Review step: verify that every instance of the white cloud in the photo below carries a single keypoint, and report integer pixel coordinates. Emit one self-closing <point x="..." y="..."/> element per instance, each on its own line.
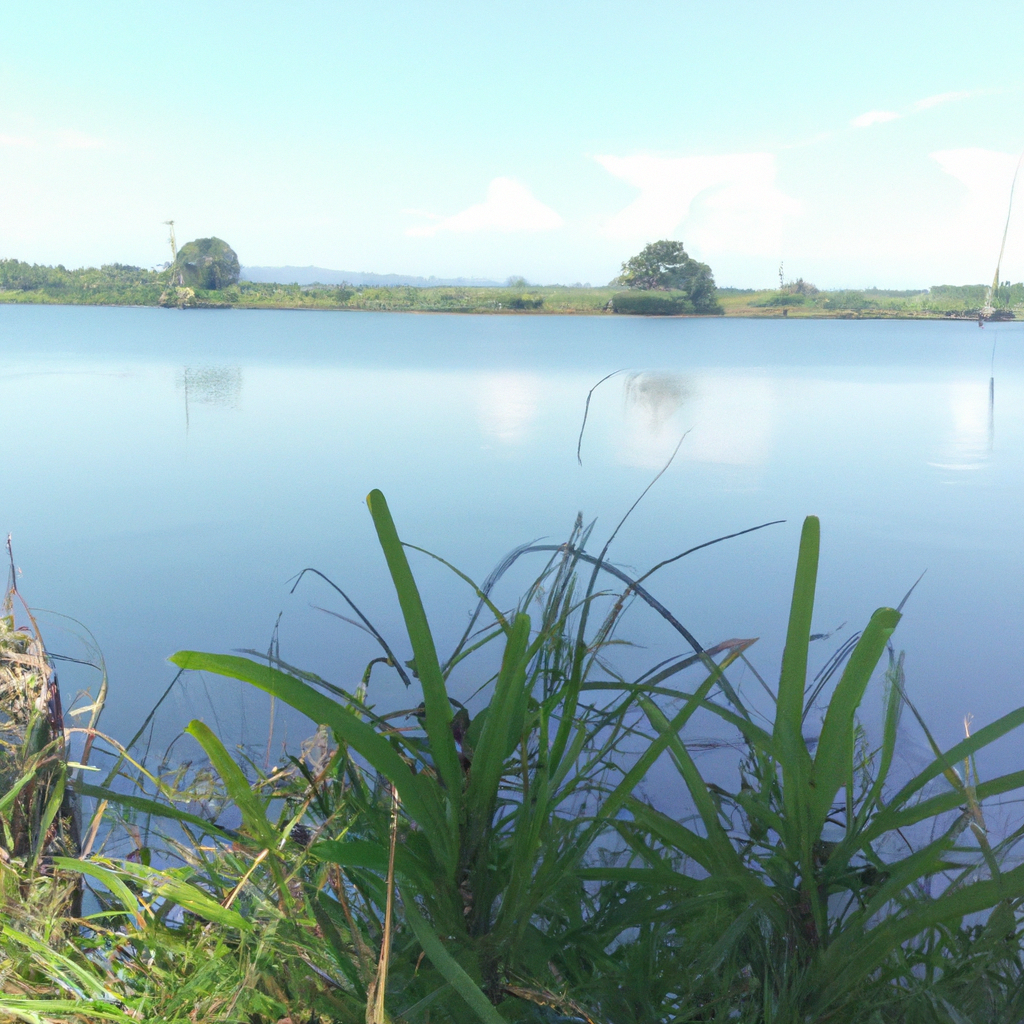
<point x="976" y="226"/>
<point x="874" y="117"/>
<point x="943" y="97"/>
<point x="15" y="141"/>
<point x="509" y="206"/>
<point x="985" y="174"/>
<point x="728" y="202"/>
<point x="881" y="116"/>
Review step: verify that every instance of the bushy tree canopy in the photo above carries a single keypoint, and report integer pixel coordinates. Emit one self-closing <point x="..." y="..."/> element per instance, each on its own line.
<point x="664" y="265"/>
<point x="208" y="263"/>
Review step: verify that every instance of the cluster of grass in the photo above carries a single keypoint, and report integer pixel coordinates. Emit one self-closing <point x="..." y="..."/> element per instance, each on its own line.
<point x="966" y="301"/>
<point x="406" y="298"/>
<point x="496" y="861"/>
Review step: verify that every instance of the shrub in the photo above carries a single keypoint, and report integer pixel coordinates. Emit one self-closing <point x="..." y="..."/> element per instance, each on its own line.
<point x="847" y="299"/>
<point x="523" y="302"/>
<point x="783" y="299"/>
<point x="652" y="303"/>
<point x="972" y="294"/>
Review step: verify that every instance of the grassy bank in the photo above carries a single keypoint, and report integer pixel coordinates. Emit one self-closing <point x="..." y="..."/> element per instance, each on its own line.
<point x="498" y="860"/>
<point x="940" y="301"/>
<point x="116" y="284"/>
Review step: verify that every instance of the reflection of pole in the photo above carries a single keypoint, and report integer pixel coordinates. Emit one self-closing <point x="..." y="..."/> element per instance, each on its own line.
<point x="186" y="400"/>
<point x="991" y="413"/>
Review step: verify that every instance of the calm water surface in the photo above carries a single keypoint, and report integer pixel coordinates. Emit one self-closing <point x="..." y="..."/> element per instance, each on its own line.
<point x="167" y="473"/>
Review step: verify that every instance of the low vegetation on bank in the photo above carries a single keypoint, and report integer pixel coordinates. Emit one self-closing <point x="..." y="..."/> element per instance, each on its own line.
<point x="802" y="299"/>
<point x="661" y="280"/>
<point x="500" y="860"/>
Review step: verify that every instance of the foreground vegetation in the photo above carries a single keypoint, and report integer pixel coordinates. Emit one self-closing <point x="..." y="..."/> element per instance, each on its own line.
<point x="116" y="284"/>
<point x="497" y="861"/>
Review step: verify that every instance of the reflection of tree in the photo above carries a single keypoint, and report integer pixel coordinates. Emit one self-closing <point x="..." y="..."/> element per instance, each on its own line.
<point x="657" y="395"/>
<point x="210" y="385"/>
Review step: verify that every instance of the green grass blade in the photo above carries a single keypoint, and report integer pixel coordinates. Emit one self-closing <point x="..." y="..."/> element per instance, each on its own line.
<point x="850" y="960"/>
<point x="50" y="811"/>
<point x="324" y="711"/>
<point x="654" y="876"/>
<point x="790" y="706"/>
<point x="254" y="815"/>
<point x="502" y="726"/>
<point x="59" y="967"/>
<point x="671" y="833"/>
<point x="448" y="967"/>
<point x="790" y="746"/>
<point x="110" y="879"/>
<point x="428" y="668"/>
<point x="890" y="726"/>
<point x="618" y="797"/>
<point x="46" y="1011"/>
<point x="353" y="853"/>
<point x="370" y="856"/>
<point x="27" y="776"/>
<point x="950" y="758"/>
<point x="833" y="761"/>
<point x="147" y="806"/>
<point x="725" y="857"/>
<point x="942" y="803"/>
<point x="167" y="885"/>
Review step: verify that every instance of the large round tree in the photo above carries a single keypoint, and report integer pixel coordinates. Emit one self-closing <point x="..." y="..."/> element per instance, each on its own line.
<point x="665" y="265"/>
<point x="207" y="263"/>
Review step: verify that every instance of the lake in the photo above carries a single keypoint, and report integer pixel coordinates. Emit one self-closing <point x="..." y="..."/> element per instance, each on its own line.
<point x="169" y="472"/>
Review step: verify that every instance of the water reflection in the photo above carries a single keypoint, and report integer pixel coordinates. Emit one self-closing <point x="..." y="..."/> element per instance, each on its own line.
<point x="656" y="396"/>
<point x="971" y="408"/>
<point x="507" y="405"/>
<point x="727" y="418"/>
<point x="839" y="418"/>
<point x="991" y="414"/>
<point x="210" y="385"/>
<point x="651" y="428"/>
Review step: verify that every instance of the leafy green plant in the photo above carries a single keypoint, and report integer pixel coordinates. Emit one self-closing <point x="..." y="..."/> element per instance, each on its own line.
<point x="492" y="841"/>
<point x="496" y="861"/>
<point x="817" y="909"/>
<point x="651" y="303"/>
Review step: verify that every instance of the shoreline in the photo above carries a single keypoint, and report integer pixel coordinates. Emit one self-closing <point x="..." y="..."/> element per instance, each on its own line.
<point x="746" y="313"/>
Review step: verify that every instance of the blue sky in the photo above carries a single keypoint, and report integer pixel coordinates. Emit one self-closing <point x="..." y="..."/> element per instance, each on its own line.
<point x="867" y="144"/>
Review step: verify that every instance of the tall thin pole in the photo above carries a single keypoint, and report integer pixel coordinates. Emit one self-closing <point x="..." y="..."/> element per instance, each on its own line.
<point x="174" y="244"/>
<point x="1006" y="228"/>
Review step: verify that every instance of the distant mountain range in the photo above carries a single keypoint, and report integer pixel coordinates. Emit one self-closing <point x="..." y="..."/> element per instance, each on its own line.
<point x="320" y="275"/>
